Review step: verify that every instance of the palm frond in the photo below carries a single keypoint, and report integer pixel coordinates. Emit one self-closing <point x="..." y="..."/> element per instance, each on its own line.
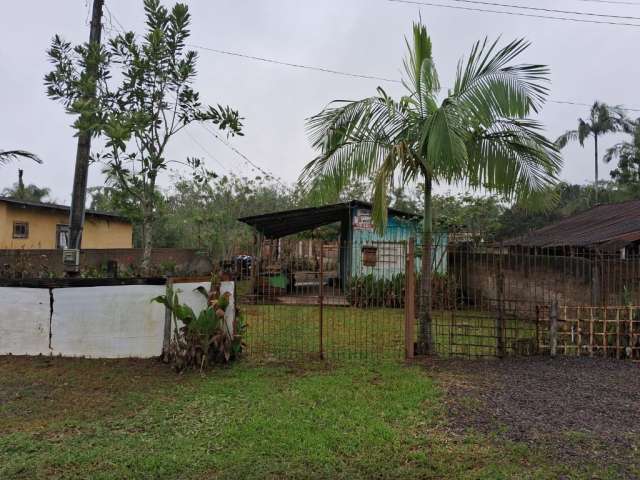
<point x="564" y="139"/>
<point x="421" y="76"/>
<point x="514" y="158"/>
<point x="353" y="139"/>
<point x="8" y="155"/>
<point x="489" y="86"/>
<point x="585" y="129"/>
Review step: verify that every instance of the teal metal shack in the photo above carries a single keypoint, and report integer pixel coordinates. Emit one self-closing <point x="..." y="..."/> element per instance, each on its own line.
<point x="384" y="255"/>
<point x="362" y="250"/>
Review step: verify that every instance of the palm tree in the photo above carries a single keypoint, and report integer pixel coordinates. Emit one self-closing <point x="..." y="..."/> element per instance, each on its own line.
<point x="8" y="155"/>
<point x="28" y="193"/>
<point x="603" y="119"/>
<point x="477" y="135"/>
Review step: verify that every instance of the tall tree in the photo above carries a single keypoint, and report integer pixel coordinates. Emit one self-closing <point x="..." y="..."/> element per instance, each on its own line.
<point x="29" y="193"/>
<point x="141" y="108"/>
<point x="7" y="156"/>
<point x="479" y="135"/>
<point x="603" y="119"/>
<point x="627" y="153"/>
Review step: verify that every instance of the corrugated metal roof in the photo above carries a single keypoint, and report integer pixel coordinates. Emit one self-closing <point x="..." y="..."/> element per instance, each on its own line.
<point x="288" y="222"/>
<point x="609" y="226"/>
<point x="52" y="206"/>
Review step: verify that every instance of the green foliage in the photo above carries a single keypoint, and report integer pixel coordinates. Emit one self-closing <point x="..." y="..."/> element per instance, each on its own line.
<point x="367" y="291"/>
<point x="203" y="338"/>
<point x="371" y="291"/>
<point x="28" y="193"/>
<point x="147" y="100"/>
<point x="477" y="216"/>
<point x="479" y="135"/>
<point x="627" y="153"/>
<point x="603" y="119"/>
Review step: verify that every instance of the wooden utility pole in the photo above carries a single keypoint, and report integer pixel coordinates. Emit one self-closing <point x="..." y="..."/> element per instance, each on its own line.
<point x="79" y="195"/>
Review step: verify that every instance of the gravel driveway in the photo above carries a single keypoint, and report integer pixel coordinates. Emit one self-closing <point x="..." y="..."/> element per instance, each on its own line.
<point x="576" y="409"/>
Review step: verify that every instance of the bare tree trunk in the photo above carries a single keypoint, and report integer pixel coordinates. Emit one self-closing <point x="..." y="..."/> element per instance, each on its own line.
<point x="147" y="242"/>
<point x="425" y="337"/>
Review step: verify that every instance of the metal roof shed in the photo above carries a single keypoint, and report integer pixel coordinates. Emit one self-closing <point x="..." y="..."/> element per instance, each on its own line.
<point x="280" y="224"/>
<point x="604" y="227"/>
<point x="358" y="240"/>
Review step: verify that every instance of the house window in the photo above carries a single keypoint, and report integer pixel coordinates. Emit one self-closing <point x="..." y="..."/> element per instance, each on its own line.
<point x="20" y="230"/>
<point x="369" y="256"/>
<point x="62" y="236"/>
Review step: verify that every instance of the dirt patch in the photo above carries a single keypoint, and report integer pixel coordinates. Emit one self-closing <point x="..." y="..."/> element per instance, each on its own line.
<point x="578" y="409"/>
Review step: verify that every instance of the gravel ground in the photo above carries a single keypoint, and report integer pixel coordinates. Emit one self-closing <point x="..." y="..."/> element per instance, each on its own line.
<point x="577" y="409"/>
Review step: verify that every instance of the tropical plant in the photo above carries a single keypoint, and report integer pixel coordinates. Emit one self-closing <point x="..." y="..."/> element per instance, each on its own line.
<point x="627" y="153"/>
<point x="7" y="156"/>
<point x="139" y="108"/>
<point x="478" y="135"/>
<point x="204" y="338"/>
<point x="603" y="119"/>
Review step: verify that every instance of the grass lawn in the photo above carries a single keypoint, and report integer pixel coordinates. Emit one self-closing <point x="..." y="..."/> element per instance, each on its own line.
<point x="73" y="418"/>
<point x="293" y="331"/>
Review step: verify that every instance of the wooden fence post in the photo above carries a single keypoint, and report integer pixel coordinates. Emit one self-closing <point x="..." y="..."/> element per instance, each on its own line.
<point x="500" y="324"/>
<point x="409" y="300"/>
<point x="553" y="333"/>
<point x="321" y="300"/>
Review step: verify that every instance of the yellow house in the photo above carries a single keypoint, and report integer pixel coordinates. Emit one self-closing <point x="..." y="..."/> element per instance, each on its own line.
<point x="33" y="225"/>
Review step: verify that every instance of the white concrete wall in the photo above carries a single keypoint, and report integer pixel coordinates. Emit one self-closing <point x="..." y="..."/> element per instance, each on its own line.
<point x="107" y="322"/>
<point x="24" y="321"/>
<point x="100" y="322"/>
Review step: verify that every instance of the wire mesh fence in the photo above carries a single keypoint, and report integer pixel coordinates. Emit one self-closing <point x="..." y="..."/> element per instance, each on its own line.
<point x="362" y="298"/>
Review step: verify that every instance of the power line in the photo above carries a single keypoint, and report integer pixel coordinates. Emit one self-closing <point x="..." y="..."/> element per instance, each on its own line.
<point x="549" y="10"/>
<point x="207" y="152"/>
<point x="264" y="172"/>
<point x="349" y="74"/>
<point x="294" y="65"/>
<point x="321" y="69"/>
<point x="579" y="104"/>
<point x="610" y="2"/>
<point x="517" y="14"/>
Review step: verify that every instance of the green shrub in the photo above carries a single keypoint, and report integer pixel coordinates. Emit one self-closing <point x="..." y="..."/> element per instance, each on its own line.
<point x="369" y="291"/>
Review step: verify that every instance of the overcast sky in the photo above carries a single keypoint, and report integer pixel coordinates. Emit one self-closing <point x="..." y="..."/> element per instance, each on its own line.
<point x="588" y="62"/>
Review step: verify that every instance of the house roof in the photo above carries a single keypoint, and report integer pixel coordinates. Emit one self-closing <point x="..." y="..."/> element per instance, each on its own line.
<point x="608" y="227"/>
<point x="287" y="222"/>
<point x="63" y="208"/>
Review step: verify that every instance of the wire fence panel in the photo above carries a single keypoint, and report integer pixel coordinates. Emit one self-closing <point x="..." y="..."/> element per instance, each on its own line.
<point x="341" y="300"/>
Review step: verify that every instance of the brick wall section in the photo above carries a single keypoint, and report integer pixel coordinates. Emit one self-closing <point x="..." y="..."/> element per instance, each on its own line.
<point x="529" y="283"/>
<point x="48" y="263"/>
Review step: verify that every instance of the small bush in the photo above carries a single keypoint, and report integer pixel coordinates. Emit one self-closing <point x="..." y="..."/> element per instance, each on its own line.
<point x="369" y="291"/>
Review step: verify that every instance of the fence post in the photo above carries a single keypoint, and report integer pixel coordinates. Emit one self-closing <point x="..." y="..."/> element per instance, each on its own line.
<point x="553" y="333"/>
<point x="500" y="327"/>
<point x="410" y="300"/>
<point x="321" y="299"/>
